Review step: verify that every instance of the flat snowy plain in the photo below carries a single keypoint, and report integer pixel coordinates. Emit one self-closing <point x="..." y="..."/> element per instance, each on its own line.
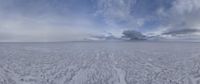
<point x="100" y="63"/>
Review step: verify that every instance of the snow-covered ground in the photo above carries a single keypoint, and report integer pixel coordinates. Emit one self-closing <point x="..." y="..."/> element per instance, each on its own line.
<point x="100" y="63"/>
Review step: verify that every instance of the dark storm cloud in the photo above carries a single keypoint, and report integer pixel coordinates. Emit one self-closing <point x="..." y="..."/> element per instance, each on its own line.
<point x="182" y="31"/>
<point x="133" y="35"/>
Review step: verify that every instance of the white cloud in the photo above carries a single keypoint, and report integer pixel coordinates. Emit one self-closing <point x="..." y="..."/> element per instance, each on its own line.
<point x="49" y="28"/>
<point x="184" y="14"/>
<point x="186" y="6"/>
<point x="115" y="12"/>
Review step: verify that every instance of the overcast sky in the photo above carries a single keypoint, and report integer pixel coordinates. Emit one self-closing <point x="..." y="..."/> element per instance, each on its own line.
<point x="69" y="20"/>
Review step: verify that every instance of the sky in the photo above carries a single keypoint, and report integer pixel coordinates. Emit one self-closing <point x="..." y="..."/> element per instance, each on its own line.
<point x="75" y="20"/>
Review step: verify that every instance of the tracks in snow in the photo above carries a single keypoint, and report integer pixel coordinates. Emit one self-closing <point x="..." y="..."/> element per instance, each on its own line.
<point x="95" y="63"/>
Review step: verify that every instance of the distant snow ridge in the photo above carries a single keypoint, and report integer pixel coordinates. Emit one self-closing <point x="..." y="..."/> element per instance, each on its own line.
<point x="100" y="63"/>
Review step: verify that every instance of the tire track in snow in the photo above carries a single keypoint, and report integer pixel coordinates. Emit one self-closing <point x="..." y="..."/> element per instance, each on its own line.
<point x="121" y="73"/>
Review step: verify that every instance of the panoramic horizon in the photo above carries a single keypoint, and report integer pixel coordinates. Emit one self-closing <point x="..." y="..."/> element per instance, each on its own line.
<point x="78" y="20"/>
<point x="99" y="41"/>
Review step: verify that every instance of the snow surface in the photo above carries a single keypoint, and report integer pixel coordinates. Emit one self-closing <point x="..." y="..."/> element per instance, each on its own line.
<point x="100" y="63"/>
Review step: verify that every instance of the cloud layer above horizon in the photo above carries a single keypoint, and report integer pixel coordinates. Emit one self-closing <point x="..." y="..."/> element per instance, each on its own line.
<point x="71" y="20"/>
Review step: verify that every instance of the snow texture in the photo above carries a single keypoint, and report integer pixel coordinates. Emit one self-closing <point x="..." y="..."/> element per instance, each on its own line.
<point x="100" y="63"/>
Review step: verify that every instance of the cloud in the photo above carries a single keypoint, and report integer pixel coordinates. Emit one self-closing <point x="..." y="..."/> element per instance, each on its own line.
<point x="115" y="9"/>
<point x="44" y="20"/>
<point x="183" y="15"/>
<point x="180" y="20"/>
<point x="117" y="13"/>
<point x="45" y="29"/>
<point x="182" y="31"/>
<point x="166" y="17"/>
<point x="127" y="35"/>
<point x="104" y="37"/>
<point x="133" y="35"/>
<point x="183" y="7"/>
<point x="141" y="15"/>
